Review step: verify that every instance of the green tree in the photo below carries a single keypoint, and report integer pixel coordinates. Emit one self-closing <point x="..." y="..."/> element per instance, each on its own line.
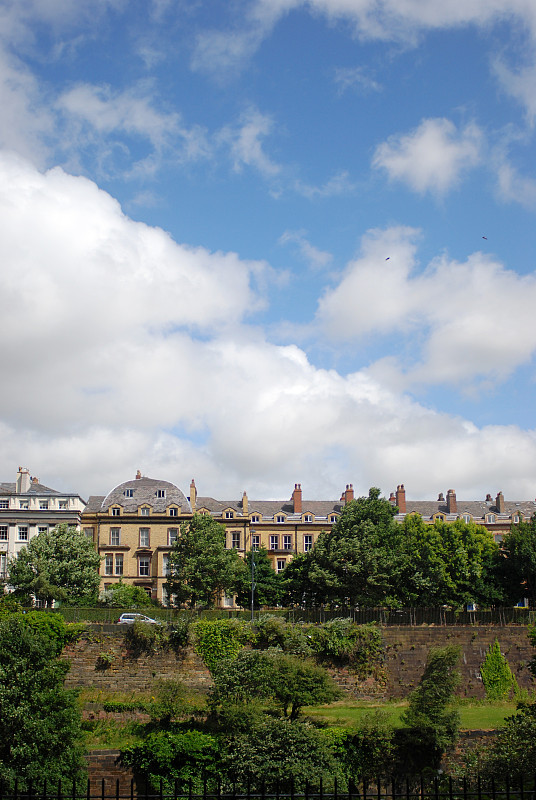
<point x="200" y="567"/>
<point x="39" y="719"/>
<point x="519" y="562"/>
<point x="268" y="584"/>
<point x="124" y="595"/>
<point x="275" y="753"/>
<point x="497" y="676"/>
<point x="429" y="725"/>
<point x="59" y="564"/>
<point x="175" y="758"/>
<point x="448" y="563"/>
<point x="292" y="682"/>
<point x="358" y="562"/>
<point x="513" y="752"/>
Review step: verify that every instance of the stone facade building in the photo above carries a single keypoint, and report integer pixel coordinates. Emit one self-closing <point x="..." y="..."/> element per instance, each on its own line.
<point x="28" y="508"/>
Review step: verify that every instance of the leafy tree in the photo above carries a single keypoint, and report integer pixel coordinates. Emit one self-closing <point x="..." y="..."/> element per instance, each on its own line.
<point x="39" y="719"/>
<point x="358" y="562"/>
<point x="268" y="584"/>
<point x="496" y="674"/>
<point x="124" y="595"/>
<point x="448" y="563"/>
<point x="513" y="752"/>
<point x="519" y="563"/>
<point x="292" y="682"/>
<point x="59" y="564"/>
<point x="277" y="754"/>
<point x="430" y="726"/>
<point x="175" y="758"/>
<point x="168" y="703"/>
<point x="367" y="750"/>
<point x="200" y="567"/>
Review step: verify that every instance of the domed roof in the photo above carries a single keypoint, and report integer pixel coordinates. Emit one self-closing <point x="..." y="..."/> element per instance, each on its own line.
<point x="146" y="491"/>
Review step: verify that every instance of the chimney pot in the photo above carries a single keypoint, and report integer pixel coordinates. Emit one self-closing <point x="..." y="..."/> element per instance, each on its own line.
<point x="401" y="498"/>
<point x="297" y="498"/>
<point x="138" y="475"/>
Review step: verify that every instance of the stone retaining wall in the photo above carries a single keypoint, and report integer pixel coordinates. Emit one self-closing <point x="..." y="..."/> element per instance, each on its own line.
<point x="406" y="650"/>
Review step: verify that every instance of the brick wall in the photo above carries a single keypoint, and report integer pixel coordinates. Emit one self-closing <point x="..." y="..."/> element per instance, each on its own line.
<point x="406" y="649"/>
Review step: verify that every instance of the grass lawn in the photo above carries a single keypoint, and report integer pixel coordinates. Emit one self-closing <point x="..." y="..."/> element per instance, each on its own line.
<point x="474" y="716"/>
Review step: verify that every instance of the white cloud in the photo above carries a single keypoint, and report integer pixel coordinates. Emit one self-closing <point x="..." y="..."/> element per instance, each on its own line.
<point x="432" y="157"/>
<point x="126" y="350"/>
<point x="317" y="259"/>
<point x="338" y="184"/>
<point x="356" y="79"/>
<point x="246" y="142"/>
<point x="521" y="84"/>
<point x="466" y="321"/>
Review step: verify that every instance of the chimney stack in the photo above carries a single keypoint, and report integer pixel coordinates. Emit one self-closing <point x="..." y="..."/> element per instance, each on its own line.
<point x="348" y="495"/>
<point x="401" y="498"/>
<point x="452" y="508"/>
<point x="23" y="481"/>
<point x="138" y="475"/>
<point x="499" y="502"/>
<point x="244" y="503"/>
<point x="297" y="498"/>
<point x="193" y="495"/>
<point x="489" y="498"/>
<point x="392" y="498"/>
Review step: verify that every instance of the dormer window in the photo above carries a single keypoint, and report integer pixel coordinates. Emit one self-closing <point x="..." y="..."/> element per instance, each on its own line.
<point x="280" y="518"/>
<point x="173" y="512"/>
<point x="160" y="492"/>
<point x="491" y="518"/>
<point x="439" y="518"/>
<point x="43" y="505"/>
<point x="129" y="492"/>
<point x="307" y="518"/>
<point x="24" y="504"/>
<point x="466" y="518"/>
<point x="229" y="515"/>
<point x="255" y="518"/>
<point x="144" y="511"/>
<point x="116" y="512"/>
<point x="332" y="518"/>
<point x="63" y="505"/>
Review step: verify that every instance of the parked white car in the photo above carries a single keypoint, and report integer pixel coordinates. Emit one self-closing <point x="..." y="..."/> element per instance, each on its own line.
<point x="130" y="618"/>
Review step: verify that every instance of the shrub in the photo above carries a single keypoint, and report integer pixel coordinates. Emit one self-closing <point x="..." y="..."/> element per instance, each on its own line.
<point x="220" y="639"/>
<point x="145" y="637"/>
<point x="496" y="674"/>
<point x="175" y="759"/>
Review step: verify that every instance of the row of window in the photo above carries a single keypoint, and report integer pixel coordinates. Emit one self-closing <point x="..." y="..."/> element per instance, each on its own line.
<point x="144" y="511"/>
<point x="144" y="536"/>
<point x="44" y="505"/>
<point x="22" y="532"/>
<point x="114" y="562"/>
<point x="280" y="518"/>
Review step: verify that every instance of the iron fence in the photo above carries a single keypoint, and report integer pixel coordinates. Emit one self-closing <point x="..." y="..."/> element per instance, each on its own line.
<point x="420" y="788"/>
<point x="382" y="616"/>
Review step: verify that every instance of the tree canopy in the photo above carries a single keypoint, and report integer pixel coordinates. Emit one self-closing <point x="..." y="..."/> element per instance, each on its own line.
<point x="39" y="719"/>
<point x="200" y="566"/>
<point x="519" y="563"/>
<point x="58" y="564"/>
<point x="268" y="583"/>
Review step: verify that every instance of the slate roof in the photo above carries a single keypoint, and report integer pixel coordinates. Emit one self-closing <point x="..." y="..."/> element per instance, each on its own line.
<point x="269" y="508"/>
<point x="476" y="508"/>
<point x="35" y="488"/>
<point x="145" y="491"/>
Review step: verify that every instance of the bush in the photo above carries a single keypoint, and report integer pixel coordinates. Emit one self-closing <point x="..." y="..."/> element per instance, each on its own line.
<point x="220" y="639"/>
<point x="174" y="757"/>
<point x="277" y="754"/>
<point x="145" y="637"/>
<point x="496" y="674"/>
<point x="168" y="702"/>
<point x="366" y="751"/>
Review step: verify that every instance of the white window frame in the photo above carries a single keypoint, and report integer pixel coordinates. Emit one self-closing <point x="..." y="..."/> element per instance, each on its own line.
<point x="173" y="512"/>
<point x="119" y="563"/>
<point x="274" y="541"/>
<point x="109" y="564"/>
<point x="235" y="540"/>
<point x="4" y="529"/>
<point x="307" y="542"/>
<point x="287" y="541"/>
<point x="144" y="566"/>
<point x="255" y="540"/>
<point x="160" y="493"/>
<point x="43" y="505"/>
<point x="281" y="564"/>
<point x="115" y="533"/>
<point x="22" y="537"/>
<point x="145" y="537"/>
<point x="172" y="535"/>
<point x="145" y="511"/>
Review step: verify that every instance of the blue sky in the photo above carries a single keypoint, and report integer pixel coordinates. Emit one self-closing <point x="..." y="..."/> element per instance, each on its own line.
<point x="269" y="241"/>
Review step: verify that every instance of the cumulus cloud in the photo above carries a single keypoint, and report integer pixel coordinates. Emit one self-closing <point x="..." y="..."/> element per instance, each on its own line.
<point x="432" y="157"/>
<point x="491" y="332"/>
<point x="356" y="79"/>
<point x="126" y="350"/>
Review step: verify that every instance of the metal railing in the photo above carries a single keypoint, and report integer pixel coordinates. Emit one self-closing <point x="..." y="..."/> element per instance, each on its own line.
<point x="416" y="788"/>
